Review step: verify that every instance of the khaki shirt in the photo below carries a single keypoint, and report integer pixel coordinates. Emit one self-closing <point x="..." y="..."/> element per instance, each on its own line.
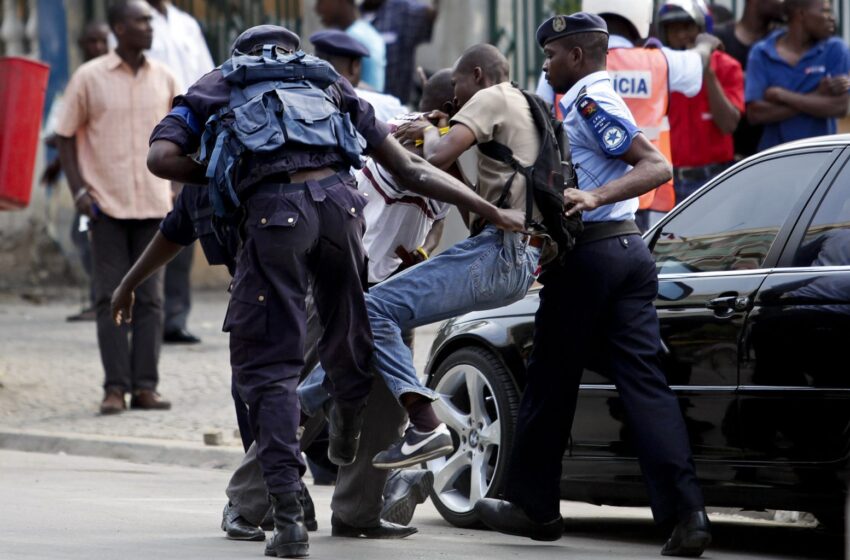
<point x="112" y="112"/>
<point x="501" y="113"/>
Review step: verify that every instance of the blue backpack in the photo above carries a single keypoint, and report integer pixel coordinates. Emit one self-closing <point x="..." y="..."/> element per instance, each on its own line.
<point x="277" y="102"/>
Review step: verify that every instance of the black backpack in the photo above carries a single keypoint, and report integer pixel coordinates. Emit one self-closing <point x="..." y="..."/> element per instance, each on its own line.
<point x="546" y="179"/>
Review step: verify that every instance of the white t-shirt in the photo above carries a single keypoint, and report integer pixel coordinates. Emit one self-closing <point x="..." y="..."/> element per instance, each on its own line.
<point x="394" y="217"/>
<point x="386" y="106"/>
<point x="179" y="43"/>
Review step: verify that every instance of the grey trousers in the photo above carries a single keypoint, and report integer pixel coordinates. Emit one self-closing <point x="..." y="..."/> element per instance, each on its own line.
<point x="359" y="492"/>
<point x="178" y="289"/>
<point x="116" y="245"/>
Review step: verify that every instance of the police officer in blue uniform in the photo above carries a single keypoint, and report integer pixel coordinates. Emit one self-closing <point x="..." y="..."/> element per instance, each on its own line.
<point x="600" y="297"/>
<point x="282" y="129"/>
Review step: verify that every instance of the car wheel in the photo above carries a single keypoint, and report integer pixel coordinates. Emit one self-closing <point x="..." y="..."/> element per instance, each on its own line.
<point x="478" y="402"/>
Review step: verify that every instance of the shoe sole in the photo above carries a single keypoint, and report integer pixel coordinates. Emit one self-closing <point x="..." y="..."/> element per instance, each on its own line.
<point x="111" y="411"/>
<point x="255" y="538"/>
<point x="401" y="512"/>
<point x="355" y="534"/>
<point x="150" y="407"/>
<point x="294" y="550"/>
<point x="259" y="537"/>
<point x="416" y="459"/>
<point x="692" y="547"/>
<point x="543" y="537"/>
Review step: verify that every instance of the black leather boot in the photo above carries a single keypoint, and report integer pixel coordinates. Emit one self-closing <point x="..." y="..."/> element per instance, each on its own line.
<point x="237" y="528"/>
<point x="309" y="511"/>
<point x="690" y="536"/>
<point x="345" y="419"/>
<point x="290" y="534"/>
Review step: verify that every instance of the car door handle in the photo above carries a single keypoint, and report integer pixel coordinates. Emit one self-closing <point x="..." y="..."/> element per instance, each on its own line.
<point x="729" y="303"/>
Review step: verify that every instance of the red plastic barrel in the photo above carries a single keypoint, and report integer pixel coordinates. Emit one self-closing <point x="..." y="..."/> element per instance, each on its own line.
<point x="23" y="83"/>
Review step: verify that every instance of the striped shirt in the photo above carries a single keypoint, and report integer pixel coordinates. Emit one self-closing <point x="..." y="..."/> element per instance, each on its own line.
<point x="395" y="217"/>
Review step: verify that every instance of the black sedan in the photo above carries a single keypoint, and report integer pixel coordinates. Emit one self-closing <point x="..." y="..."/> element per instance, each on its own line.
<point x="754" y="304"/>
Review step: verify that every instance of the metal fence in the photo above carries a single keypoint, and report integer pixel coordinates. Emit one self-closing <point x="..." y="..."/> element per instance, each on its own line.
<point x="223" y="20"/>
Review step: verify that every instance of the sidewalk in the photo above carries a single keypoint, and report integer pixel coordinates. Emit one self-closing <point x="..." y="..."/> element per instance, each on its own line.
<point x="51" y="380"/>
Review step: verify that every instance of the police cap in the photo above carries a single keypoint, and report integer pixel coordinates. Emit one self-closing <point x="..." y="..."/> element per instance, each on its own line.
<point x="260" y="35"/>
<point x="338" y="43"/>
<point x="562" y="26"/>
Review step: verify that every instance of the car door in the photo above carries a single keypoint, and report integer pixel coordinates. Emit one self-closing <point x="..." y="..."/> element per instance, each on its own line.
<point x="795" y="381"/>
<point x="712" y="254"/>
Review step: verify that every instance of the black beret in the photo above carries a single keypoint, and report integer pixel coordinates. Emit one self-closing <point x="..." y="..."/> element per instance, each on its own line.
<point x="338" y="43"/>
<point x="561" y="26"/>
<point x="260" y="35"/>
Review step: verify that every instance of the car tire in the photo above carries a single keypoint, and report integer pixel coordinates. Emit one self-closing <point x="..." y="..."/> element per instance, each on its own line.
<point x="482" y="430"/>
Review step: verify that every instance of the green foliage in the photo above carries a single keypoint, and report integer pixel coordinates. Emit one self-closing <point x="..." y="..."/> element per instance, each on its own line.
<point x="564" y="6"/>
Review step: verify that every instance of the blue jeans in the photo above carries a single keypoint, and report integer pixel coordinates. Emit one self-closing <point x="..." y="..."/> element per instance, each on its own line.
<point x="311" y="392"/>
<point x="492" y="269"/>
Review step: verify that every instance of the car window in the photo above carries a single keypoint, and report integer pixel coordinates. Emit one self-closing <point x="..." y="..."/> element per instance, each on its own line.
<point x="734" y="223"/>
<point x="827" y="239"/>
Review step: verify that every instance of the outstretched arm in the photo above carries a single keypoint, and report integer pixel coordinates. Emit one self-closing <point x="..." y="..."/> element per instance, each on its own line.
<point x="422" y="178"/>
<point x="157" y="254"/>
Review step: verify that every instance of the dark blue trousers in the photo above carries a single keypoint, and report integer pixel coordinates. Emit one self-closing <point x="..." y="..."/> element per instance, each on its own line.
<point x="600" y="300"/>
<point x="294" y="233"/>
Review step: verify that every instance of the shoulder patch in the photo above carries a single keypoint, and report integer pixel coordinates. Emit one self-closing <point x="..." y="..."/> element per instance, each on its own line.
<point x="613" y="134"/>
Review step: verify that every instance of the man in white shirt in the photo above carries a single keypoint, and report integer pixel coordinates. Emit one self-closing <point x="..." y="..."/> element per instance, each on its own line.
<point x="179" y="44"/>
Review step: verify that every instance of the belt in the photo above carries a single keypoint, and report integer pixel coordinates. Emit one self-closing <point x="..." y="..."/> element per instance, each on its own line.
<point x="597" y="231"/>
<point x="700" y="173"/>
<point x="279" y="186"/>
<point x="536" y="241"/>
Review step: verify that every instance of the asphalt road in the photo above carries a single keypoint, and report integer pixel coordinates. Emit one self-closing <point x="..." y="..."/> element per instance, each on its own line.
<point x="68" y="507"/>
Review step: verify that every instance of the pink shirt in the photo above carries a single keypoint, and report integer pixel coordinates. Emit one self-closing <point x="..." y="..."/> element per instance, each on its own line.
<point x="112" y="112"/>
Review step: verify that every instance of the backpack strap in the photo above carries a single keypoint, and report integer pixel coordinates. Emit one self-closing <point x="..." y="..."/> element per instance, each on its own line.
<point x="502" y="153"/>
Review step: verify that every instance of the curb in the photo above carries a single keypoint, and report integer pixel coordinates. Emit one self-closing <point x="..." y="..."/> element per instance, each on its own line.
<point x="136" y="450"/>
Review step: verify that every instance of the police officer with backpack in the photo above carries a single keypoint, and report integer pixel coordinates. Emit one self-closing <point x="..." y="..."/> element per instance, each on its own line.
<point x="600" y="299"/>
<point x="274" y="132"/>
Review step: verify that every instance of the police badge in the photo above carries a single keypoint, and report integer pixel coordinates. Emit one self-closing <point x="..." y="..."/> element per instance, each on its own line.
<point x="559" y="24"/>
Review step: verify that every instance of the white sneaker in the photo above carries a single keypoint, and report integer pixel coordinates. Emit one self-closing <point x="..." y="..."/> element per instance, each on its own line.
<point x="416" y="447"/>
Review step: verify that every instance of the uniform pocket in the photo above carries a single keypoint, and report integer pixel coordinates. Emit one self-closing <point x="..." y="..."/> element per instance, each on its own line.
<point x="257" y="125"/>
<point x="350" y="200"/>
<point x="307" y="116"/>
<point x="247" y="314"/>
<point x="278" y="222"/>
